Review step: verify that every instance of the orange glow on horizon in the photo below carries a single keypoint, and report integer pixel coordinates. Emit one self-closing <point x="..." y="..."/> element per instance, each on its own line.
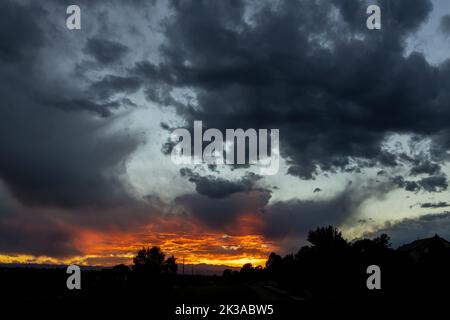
<point x="190" y="242"/>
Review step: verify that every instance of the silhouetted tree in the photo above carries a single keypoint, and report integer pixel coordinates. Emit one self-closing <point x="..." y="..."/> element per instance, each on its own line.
<point x="170" y="265"/>
<point x="149" y="260"/>
<point x="273" y="265"/>
<point x="227" y="273"/>
<point x="384" y="241"/>
<point x="273" y="262"/>
<point x="377" y="247"/>
<point x="327" y="238"/>
<point x="247" y="268"/>
<point x="250" y="273"/>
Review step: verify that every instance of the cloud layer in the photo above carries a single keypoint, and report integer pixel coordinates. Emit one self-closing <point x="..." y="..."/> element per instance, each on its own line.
<point x="337" y="91"/>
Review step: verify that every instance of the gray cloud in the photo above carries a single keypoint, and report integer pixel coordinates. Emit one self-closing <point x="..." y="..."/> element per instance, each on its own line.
<point x="36" y="235"/>
<point x="111" y="85"/>
<point x="216" y="187"/>
<point x="425" y="167"/>
<point x="223" y="213"/>
<point x="437" y="183"/>
<point x="18" y="45"/>
<point x="431" y="205"/>
<point x="411" y="229"/>
<point x="294" y="218"/>
<point x="105" y="51"/>
<point x="445" y="24"/>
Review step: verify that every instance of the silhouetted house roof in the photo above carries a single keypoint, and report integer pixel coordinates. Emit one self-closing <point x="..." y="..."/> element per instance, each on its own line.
<point x="420" y="247"/>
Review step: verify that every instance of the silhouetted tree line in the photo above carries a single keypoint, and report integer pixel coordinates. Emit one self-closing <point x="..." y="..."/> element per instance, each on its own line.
<point x="329" y="268"/>
<point x="332" y="267"/>
<point x="152" y="276"/>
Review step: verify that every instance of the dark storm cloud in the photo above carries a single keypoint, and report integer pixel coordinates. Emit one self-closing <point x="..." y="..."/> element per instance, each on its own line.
<point x="19" y="45"/>
<point x="294" y="218"/>
<point x="281" y="85"/>
<point x="434" y="183"/>
<point x="216" y="187"/>
<point x="105" y="51"/>
<point x="35" y="235"/>
<point x="406" y="15"/>
<point x="21" y="159"/>
<point x="26" y="230"/>
<point x="279" y="220"/>
<point x="72" y="103"/>
<point x="432" y="205"/>
<point x="50" y="156"/>
<point x="54" y="231"/>
<point x="223" y="213"/>
<point x="402" y="16"/>
<point x="445" y="24"/>
<point x="425" y="167"/>
<point x="410" y="229"/>
<point x="59" y="165"/>
<point x="62" y="163"/>
<point x="111" y="85"/>
<point x="437" y="183"/>
<point x="335" y="89"/>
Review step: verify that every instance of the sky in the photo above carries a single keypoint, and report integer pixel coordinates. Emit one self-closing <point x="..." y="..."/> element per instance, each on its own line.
<point x="86" y="116"/>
